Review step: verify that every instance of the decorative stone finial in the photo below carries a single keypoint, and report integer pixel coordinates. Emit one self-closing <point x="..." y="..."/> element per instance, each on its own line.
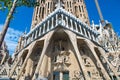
<point x="59" y="4"/>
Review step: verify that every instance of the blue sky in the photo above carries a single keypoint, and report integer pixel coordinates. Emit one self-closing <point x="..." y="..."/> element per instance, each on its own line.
<point x="23" y="17"/>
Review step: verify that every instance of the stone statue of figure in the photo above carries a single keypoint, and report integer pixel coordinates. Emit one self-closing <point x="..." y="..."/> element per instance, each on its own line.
<point x="86" y="61"/>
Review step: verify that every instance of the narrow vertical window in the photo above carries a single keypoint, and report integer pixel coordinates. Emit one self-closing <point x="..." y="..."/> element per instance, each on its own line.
<point x="43" y="13"/>
<point x="56" y="75"/>
<point x="65" y="75"/>
<point x="48" y="5"/>
<point x="82" y="8"/>
<point x="79" y="8"/>
<point x="70" y="4"/>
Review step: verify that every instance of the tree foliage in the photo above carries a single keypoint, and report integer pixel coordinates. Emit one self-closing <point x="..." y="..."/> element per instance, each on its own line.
<point x="7" y="4"/>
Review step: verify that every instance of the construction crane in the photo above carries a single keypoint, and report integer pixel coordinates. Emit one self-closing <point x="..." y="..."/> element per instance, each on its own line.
<point x="99" y="12"/>
<point x="103" y="22"/>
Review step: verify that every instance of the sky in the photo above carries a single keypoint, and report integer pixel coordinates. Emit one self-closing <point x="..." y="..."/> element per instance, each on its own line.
<point x="21" y="21"/>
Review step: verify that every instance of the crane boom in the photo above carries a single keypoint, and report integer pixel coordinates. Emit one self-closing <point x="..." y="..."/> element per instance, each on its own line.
<point x="99" y="11"/>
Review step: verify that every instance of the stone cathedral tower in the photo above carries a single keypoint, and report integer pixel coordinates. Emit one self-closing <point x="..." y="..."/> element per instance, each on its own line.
<point x="76" y="7"/>
<point x="62" y="45"/>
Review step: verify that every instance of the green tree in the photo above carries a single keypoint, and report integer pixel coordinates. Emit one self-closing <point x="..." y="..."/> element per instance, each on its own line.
<point x="11" y="5"/>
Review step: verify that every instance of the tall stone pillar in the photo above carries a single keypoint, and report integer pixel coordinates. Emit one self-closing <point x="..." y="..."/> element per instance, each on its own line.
<point x="73" y="40"/>
<point x="46" y="44"/>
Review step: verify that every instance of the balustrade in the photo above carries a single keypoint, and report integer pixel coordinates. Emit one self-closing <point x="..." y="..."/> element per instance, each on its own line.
<point x="44" y="29"/>
<point x="89" y="35"/>
<point x="48" y="25"/>
<point x="68" y="21"/>
<point x="62" y="19"/>
<point x="71" y="24"/>
<point x="56" y="19"/>
<point x="36" y="34"/>
<point x="76" y="27"/>
<point x="52" y="22"/>
<point x="40" y="31"/>
<point x="80" y="29"/>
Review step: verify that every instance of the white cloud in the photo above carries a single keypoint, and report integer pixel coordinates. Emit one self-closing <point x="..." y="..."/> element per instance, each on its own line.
<point x="11" y="38"/>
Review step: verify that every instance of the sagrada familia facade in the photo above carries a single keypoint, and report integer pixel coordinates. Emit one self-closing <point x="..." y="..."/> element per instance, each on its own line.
<point x="63" y="45"/>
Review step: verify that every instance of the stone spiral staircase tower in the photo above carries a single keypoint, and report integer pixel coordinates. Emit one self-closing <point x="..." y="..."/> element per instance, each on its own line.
<point x="61" y="45"/>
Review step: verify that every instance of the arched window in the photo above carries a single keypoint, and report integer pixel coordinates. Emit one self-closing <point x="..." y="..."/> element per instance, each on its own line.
<point x="89" y="74"/>
<point x="43" y="12"/>
<point x="79" y="8"/>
